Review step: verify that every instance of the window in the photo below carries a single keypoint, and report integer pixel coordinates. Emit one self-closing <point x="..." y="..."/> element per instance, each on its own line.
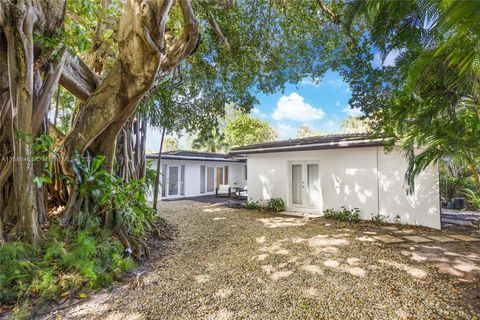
<point x="225" y="180"/>
<point x="245" y="172"/>
<point x="202" y="179"/>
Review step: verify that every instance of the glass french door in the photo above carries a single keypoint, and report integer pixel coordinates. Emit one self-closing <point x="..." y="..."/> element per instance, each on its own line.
<point x="305" y="188"/>
<point x="210" y="179"/>
<point x="219" y="176"/>
<point x="173" y="180"/>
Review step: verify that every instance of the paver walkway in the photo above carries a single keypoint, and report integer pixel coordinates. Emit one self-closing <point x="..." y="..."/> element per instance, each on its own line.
<point x="419" y="239"/>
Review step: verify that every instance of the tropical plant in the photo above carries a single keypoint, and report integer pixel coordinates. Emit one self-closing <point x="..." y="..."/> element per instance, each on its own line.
<point x="276" y="205"/>
<point x="428" y="96"/>
<point x="343" y="214"/>
<point x="473" y="198"/>
<point x="253" y="205"/>
<point x="379" y="219"/>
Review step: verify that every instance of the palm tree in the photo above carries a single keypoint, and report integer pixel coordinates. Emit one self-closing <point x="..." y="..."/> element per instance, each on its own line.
<point x="430" y="98"/>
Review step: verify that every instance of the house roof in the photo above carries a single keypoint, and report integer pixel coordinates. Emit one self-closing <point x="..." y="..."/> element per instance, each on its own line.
<point x="331" y="141"/>
<point x="194" y="155"/>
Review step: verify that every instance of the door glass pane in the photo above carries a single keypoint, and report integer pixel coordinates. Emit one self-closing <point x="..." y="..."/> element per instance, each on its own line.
<point x="226" y="175"/>
<point x="164" y="179"/>
<point x="313" y="184"/>
<point x="297" y="184"/>
<point x="182" y="180"/>
<point x="202" y="179"/>
<point x="210" y="179"/>
<point x="219" y="176"/>
<point x="172" y="181"/>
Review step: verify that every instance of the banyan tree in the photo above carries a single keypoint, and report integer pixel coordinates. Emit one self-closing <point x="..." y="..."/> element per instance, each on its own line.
<point x="31" y="69"/>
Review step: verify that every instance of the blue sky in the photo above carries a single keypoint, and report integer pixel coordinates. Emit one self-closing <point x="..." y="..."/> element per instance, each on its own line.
<point x="321" y="105"/>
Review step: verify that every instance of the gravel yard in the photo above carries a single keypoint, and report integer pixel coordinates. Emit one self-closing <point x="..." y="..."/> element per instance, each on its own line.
<point x="235" y="264"/>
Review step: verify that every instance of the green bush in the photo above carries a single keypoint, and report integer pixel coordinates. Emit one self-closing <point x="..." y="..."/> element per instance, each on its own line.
<point x="343" y="214"/>
<point x="379" y="219"/>
<point x="253" y="205"/>
<point x="85" y="255"/>
<point x="473" y="198"/>
<point x="79" y="256"/>
<point x="276" y="205"/>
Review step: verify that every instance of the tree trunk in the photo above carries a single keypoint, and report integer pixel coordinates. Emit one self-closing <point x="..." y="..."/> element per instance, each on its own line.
<point x="24" y="106"/>
<point x="157" y="176"/>
<point x="141" y="63"/>
<point x="19" y="35"/>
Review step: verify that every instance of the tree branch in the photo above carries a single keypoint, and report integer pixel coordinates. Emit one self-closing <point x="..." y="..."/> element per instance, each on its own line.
<point x="78" y="78"/>
<point x="218" y="31"/>
<point x="332" y="15"/>
<point x="48" y="88"/>
<point x="187" y="43"/>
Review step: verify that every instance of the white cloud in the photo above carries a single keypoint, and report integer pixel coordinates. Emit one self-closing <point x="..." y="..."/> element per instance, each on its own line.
<point x="331" y="124"/>
<point x="338" y="82"/>
<point x="354" y="112"/>
<point x="337" y="103"/>
<point x="257" y="112"/>
<point x="311" y="82"/>
<point x="293" y="107"/>
<point x="286" y="131"/>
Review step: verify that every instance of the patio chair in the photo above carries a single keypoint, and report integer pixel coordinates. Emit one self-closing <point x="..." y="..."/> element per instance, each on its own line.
<point x="223" y="190"/>
<point x="243" y="193"/>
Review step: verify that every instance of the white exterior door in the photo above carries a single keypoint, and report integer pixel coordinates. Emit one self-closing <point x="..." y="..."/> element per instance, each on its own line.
<point x="305" y="188"/>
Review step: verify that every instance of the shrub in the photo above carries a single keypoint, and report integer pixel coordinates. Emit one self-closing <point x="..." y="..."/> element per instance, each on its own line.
<point x="82" y="256"/>
<point x="253" y="205"/>
<point x="473" y="198"/>
<point x="379" y="219"/>
<point x="276" y="205"/>
<point x="343" y="214"/>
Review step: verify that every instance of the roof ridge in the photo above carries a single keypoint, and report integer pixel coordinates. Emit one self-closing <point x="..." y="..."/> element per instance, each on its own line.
<point x="333" y="135"/>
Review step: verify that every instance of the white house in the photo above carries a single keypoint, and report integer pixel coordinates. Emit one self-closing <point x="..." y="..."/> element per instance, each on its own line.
<point x="192" y="174"/>
<point x="313" y="174"/>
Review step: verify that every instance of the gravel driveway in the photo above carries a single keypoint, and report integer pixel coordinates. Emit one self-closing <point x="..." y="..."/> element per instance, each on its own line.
<point x="236" y="264"/>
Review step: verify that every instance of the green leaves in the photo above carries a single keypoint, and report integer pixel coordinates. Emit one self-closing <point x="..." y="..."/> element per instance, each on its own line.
<point x="40" y="181"/>
<point x="429" y="98"/>
<point x="244" y="130"/>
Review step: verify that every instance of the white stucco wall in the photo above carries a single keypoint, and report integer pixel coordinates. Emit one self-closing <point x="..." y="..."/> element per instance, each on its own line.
<point x="348" y="177"/>
<point x="192" y="174"/>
